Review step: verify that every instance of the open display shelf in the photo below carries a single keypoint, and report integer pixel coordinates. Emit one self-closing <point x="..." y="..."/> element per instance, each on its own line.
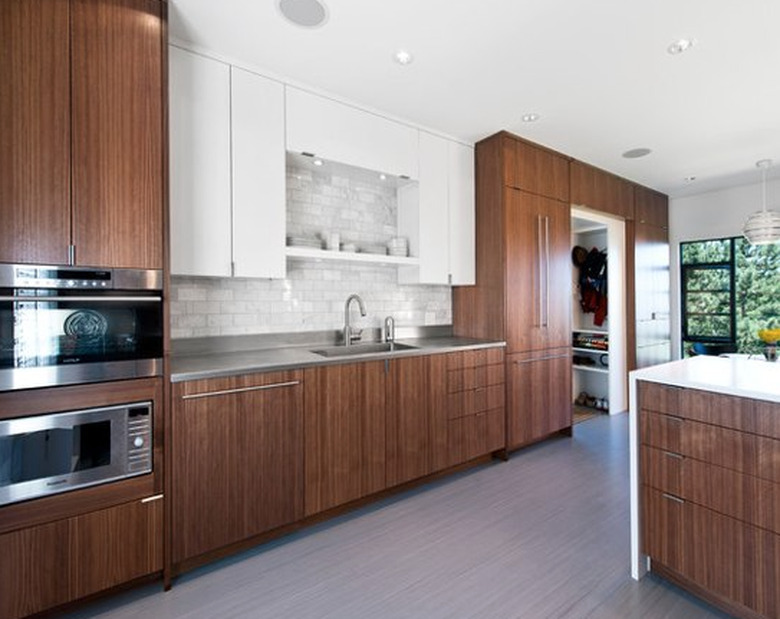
<point x="308" y="253"/>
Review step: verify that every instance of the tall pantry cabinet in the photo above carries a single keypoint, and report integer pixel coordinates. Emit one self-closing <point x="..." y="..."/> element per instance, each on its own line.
<point x="522" y="292"/>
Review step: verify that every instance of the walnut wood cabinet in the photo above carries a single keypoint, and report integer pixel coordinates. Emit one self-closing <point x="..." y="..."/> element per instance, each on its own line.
<point x="237" y="460"/>
<point x="523" y="289"/>
<point x="476" y="404"/>
<point x="649" y="301"/>
<point x="416" y="443"/>
<point x="601" y="190"/>
<point x="710" y="474"/>
<point x="47" y="565"/>
<point x="538" y="395"/>
<point x="82" y="111"/>
<point x="345" y="427"/>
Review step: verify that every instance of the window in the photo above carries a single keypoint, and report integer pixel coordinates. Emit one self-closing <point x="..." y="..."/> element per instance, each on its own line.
<point x="730" y="290"/>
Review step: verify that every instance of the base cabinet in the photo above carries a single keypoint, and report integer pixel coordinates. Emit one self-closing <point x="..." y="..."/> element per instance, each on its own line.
<point x="416" y="418"/>
<point x="539" y="395"/>
<point x="345" y="425"/>
<point x="44" y="566"/>
<point x="237" y="460"/>
<point x="710" y="496"/>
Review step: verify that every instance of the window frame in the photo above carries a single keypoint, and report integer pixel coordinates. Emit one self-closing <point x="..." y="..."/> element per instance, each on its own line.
<point x="685" y="269"/>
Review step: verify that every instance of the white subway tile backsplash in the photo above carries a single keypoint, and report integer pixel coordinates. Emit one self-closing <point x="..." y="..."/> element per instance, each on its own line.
<point x="312" y="296"/>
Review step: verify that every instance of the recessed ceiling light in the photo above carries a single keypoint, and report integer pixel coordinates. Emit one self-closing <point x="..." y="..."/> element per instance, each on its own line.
<point x="403" y="57"/>
<point x="382" y="177"/>
<point x="680" y="45"/>
<point x="636" y="153"/>
<point x="530" y="118"/>
<point x="305" y="13"/>
<point x="317" y="162"/>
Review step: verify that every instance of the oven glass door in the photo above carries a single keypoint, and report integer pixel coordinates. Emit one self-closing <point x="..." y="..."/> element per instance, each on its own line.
<point x="51" y="453"/>
<point x="57" y="327"/>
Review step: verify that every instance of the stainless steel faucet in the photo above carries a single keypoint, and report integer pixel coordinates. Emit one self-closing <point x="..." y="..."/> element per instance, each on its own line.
<point x="389" y="329"/>
<point x="349" y="334"/>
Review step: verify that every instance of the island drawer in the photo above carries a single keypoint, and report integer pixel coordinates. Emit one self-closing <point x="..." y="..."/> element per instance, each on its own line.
<point x="744" y="497"/>
<point x="743" y="414"/>
<point x="659" y="398"/>
<point x="663" y="470"/>
<point x="661" y="431"/>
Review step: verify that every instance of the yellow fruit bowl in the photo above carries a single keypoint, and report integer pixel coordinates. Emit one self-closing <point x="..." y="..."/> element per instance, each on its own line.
<point x="769" y="336"/>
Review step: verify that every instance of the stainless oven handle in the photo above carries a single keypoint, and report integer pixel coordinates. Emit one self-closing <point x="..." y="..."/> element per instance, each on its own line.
<point x="80" y="299"/>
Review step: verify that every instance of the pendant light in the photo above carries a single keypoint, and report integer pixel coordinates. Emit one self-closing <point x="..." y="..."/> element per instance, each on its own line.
<point x="763" y="227"/>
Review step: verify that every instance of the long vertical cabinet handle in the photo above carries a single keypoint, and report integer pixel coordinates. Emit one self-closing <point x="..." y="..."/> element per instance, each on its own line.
<point x="546" y="271"/>
<point x="540" y="268"/>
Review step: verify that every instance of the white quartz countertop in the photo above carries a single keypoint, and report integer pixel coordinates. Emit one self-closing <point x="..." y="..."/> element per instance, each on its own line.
<point x="746" y="377"/>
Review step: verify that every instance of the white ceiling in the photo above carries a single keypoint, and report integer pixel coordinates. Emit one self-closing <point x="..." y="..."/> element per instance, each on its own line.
<point x="596" y="71"/>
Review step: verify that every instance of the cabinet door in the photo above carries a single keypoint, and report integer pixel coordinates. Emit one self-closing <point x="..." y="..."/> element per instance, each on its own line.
<point x="424" y="214"/>
<point x="35" y="135"/>
<point x="116" y="545"/>
<point x="416" y="417"/>
<point x="535" y="169"/>
<point x="259" y="199"/>
<point x="539" y="395"/>
<point x="33" y="569"/>
<point x="601" y="190"/>
<point x="462" y="215"/>
<point x="200" y="165"/>
<point x="345" y="434"/>
<point x="538" y="272"/>
<point x="117" y="97"/>
<point x="651" y="207"/>
<point x="237" y="460"/>
<point x="348" y="135"/>
<point x="652" y="295"/>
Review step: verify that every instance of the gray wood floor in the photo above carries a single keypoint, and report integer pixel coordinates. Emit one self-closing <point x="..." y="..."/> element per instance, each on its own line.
<point x="543" y="535"/>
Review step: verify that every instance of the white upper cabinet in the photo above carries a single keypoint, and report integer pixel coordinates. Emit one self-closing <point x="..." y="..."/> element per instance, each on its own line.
<point x="423" y="215"/>
<point x="259" y="197"/>
<point x="438" y="215"/>
<point x="342" y="133"/>
<point x="227" y="170"/>
<point x="199" y="165"/>
<point x="461" y="194"/>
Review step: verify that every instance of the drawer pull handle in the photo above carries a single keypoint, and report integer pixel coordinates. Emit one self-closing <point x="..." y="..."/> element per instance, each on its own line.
<point x="675" y="418"/>
<point x="535" y="359"/>
<point x="149" y="499"/>
<point x="671" y="497"/>
<point x="671" y="454"/>
<point x="209" y="394"/>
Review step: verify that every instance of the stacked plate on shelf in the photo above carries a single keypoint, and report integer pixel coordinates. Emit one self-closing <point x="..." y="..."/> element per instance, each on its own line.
<point x="304" y="241"/>
<point x="398" y="246"/>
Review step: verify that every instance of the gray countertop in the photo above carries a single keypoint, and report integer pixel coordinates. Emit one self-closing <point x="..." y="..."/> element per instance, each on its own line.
<point x="226" y="363"/>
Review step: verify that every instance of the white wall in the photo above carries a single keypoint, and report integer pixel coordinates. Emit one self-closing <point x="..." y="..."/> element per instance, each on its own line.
<point x="711" y="215"/>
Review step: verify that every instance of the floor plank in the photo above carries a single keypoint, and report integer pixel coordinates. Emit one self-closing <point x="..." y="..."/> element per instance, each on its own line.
<point x="543" y="535"/>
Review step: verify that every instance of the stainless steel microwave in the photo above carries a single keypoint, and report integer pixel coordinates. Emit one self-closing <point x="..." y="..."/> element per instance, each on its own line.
<point x="46" y="454"/>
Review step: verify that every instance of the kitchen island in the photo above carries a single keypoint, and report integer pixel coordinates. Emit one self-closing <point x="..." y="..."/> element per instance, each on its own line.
<point x="705" y="470"/>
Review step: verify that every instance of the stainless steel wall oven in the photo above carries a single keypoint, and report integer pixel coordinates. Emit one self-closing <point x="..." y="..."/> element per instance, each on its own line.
<point x="61" y="326"/>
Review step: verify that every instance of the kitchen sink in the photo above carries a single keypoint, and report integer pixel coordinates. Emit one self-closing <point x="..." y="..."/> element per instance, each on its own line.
<point x="362" y="349"/>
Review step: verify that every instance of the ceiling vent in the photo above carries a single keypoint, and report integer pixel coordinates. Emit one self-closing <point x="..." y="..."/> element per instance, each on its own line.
<point x="304" y="13"/>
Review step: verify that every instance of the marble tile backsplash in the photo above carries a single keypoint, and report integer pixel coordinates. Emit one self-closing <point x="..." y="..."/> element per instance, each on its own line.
<point x="311" y="297"/>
